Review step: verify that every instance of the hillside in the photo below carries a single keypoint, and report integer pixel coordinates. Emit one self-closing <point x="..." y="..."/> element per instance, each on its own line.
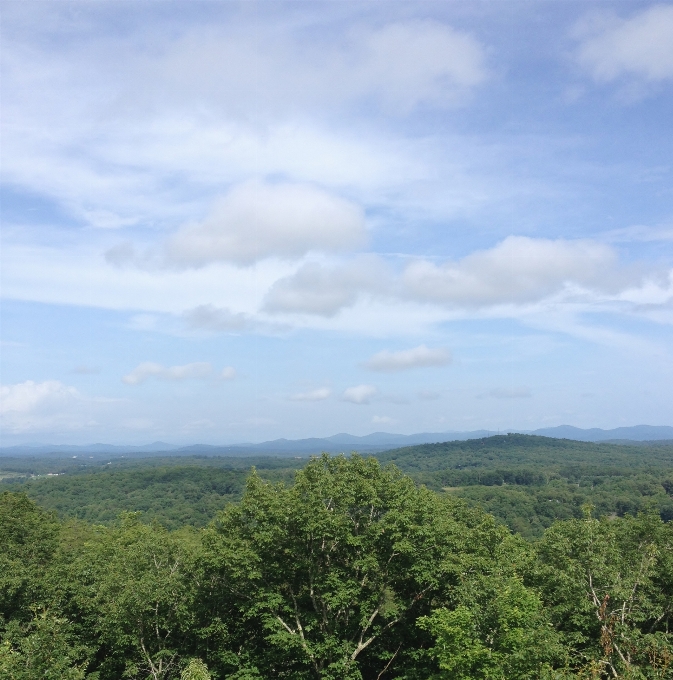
<point x="526" y="481"/>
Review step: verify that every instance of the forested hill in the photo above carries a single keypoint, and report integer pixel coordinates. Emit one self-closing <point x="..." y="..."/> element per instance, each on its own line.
<point x="526" y="481"/>
<point x="529" y="482"/>
<point x="523" y="449"/>
<point x="175" y="492"/>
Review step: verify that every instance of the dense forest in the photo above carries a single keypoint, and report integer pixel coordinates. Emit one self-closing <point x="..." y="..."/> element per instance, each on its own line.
<point x="526" y="482"/>
<point x="342" y="567"/>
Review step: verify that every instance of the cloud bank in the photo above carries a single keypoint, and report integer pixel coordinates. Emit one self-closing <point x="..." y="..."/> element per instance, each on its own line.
<point x="517" y="270"/>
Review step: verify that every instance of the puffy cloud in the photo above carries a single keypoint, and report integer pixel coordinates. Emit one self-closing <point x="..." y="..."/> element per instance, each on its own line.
<point x="360" y="394"/>
<point x="149" y="369"/>
<point x="44" y="405"/>
<point x="640" y="46"/>
<point x="211" y="318"/>
<point x="27" y="396"/>
<point x="257" y="220"/>
<point x="418" y="357"/>
<point x="313" y="395"/>
<point x="382" y="420"/>
<point x="321" y="290"/>
<point x="517" y="270"/>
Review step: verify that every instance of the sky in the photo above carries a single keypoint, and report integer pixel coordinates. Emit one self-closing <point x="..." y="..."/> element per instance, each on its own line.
<point x="227" y="222"/>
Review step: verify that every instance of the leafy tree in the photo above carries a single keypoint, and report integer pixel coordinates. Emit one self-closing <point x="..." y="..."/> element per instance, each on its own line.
<point x="332" y="572"/>
<point x="44" y="649"/>
<point x="503" y="633"/>
<point x="135" y="597"/>
<point x="608" y="586"/>
<point x="28" y="539"/>
<point x="195" y="670"/>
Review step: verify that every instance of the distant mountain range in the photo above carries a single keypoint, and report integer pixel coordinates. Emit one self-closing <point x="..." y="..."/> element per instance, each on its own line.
<point x="638" y="433"/>
<point x="377" y="441"/>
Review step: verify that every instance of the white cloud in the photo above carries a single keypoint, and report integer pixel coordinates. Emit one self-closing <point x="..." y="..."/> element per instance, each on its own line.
<point x="408" y="63"/>
<point x="149" y="369"/>
<point x="382" y="420"/>
<point x="418" y="357"/>
<point x="212" y="105"/>
<point x="257" y="220"/>
<point x="260" y="421"/>
<point x="313" y="395"/>
<point x="397" y="66"/>
<point x="517" y="270"/>
<point x="27" y="396"/>
<point x="215" y="319"/>
<point x="31" y="405"/>
<point x="317" y="289"/>
<point x="641" y="46"/>
<point x="360" y="394"/>
<point x="144" y="322"/>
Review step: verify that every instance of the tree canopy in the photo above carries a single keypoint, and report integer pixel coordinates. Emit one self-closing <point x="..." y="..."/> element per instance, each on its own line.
<point x="352" y="572"/>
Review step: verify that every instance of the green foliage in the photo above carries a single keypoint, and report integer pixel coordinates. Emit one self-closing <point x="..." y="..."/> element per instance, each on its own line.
<point x="353" y="571"/>
<point x="44" y="649"/>
<point x="486" y="455"/>
<point x="336" y="569"/>
<point x="28" y="540"/>
<point x="608" y="586"/>
<point x="174" y="496"/>
<point x="502" y="634"/>
<point x="527" y="482"/>
<point x="530" y="482"/>
<point x="195" y="670"/>
<point x="498" y="627"/>
<point x="135" y="597"/>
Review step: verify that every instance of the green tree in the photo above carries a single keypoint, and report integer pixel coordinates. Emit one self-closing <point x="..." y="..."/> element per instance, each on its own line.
<point x="195" y="670"/>
<point x="28" y="538"/>
<point x="330" y="575"/>
<point x="608" y="586"/>
<point x="501" y="632"/>
<point x="134" y="593"/>
<point x="43" y="649"/>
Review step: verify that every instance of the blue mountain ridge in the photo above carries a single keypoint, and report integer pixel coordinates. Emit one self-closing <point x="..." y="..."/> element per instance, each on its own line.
<point x="342" y="442"/>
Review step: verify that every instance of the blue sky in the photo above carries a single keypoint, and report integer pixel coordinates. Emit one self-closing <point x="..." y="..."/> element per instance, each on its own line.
<point x="230" y="222"/>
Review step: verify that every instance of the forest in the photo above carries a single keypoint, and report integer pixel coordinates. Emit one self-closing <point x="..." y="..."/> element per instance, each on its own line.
<point x="509" y="557"/>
